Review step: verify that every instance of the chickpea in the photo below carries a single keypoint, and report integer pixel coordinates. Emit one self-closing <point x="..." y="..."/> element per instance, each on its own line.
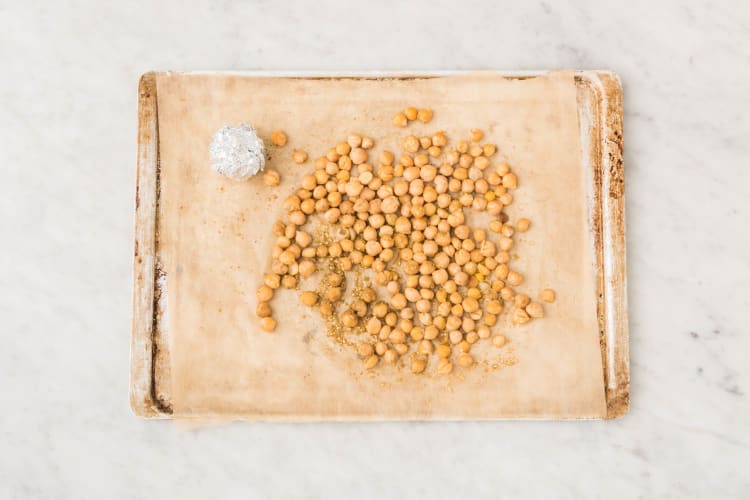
<point x="365" y="349"/>
<point x="494" y="307"/>
<point x="499" y="340"/>
<point x="397" y="336"/>
<point x="424" y="115"/>
<point x="431" y="331"/>
<point x="520" y="316"/>
<point x="400" y="120"/>
<point x="272" y="280"/>
<point x="411" y="144"/>
<point x="535" y="310"/>
<point x="465" y="360"/>
<point x="510" y="181"/>
<point x="444" y="366"/>
<point x="443" y="351"/>
<point x="390" y="356"/>
<point x="264" y="293"/>
<point x="371" y="361"/>
<point x="358" y="156"/>
<point x="326" y="309"/>
<point x="263" y="310"/>
<point x="488" y="150"/>
<point x="547" y="295"/>
<point x="470" y="305"/>
<point x="507" y="293"/>
<point x="289" y="281"/>
<point x="268" y="324"/>
<point x="299" y="156"/>
<point x="271" y="178"/>
<point x="418" y="365"/>
<point x="309" y="298"/>
<point x="514" y="278"/>
<point x="278" y="138"/>
<point x="380" y="348"/>
<point x="521" y="300"/>
<point x="483" y="332"/>
<point x="386" y="158"/>
<point x="522" y="225"/>
<point x="476" y="135"/>
<point x="455" y="336"/>
<point x="348" y="318"/>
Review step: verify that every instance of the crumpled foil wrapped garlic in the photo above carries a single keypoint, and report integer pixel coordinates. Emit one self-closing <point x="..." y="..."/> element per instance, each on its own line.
<point x="237" y="152"/>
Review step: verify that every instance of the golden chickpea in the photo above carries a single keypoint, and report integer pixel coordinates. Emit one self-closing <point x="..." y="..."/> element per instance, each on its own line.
<point x="475" y="150"/>
<point x="476" y="135"/>
<point x="386" y="158"/>
<point x="499" y="340"/>
<point x="424" y="115"/>
<point x="390" y="356"/>
<point x="326" y="309"/>
<point x="278" y="138"/>
<point x="521" y="300"/>
<point x="263" y="310"/>
<point x="365" y="349"/>
<point x="465" y="160"/>
<point x="507" y="293"/>
<point x="483" y="332"/>
<point x="439" y="139"/>
<point x="425" y="347"/>
<point x="367" y="142"/>
<point x="455" y="336"/>
<point x="371" y="361"/>
<point x="514" y="278"/>
<point x="488" y="149"/>
<point x="490" y="319"/>
<point x="510" y="181"/>
<point x="397" y="336"/>
<point x="289" y="281"/>
<point x="348" y="318"/>
<point x="465" y="360"/>
<point x="520" y="316"/>
<point x="444" y="367"/>
<point x="332" y="155"/>
<point x="494" y="307"/>
<point x="470" y="305"/>
<point x="299" y="156"/>
<point x="399" y="120"/>
<point x="306" y="268"/>
<point x="411" y="144"/>
<point x="535" y="310"/>
<point x="380" y="348"/>
<point x="480" y="164"/>
<point x="418" y="365"/>
<point x="265" y="293"/>
<point x="333" y="294"/>
<point x="358" y="156"/>
<point x="411" y="113"/>
<point x="271" y="178"/>
<point x="268" y="324"/>
<point x="522" y="225"/>
<point x="272" y="280"/>
<point x="309" y="298"/>
<point x="431" y="331"/>
<point x="398" y="301"/>
<point x="547" y="295"/>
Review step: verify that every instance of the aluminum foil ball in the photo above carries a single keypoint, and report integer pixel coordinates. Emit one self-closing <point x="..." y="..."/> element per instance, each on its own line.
<point x="237" y="152"/>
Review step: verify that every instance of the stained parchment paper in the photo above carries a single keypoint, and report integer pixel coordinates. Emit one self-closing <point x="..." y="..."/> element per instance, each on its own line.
<point x="215" y="238"/>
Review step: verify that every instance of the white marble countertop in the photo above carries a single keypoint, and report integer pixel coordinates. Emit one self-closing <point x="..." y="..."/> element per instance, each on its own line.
<point x="67" y="154"/>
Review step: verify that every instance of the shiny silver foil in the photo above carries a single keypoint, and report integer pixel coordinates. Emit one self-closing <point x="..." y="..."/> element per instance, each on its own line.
<point x="237" y="152"/>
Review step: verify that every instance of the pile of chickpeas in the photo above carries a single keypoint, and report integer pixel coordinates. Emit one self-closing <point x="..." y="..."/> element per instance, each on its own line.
<point x="403" y="276"/>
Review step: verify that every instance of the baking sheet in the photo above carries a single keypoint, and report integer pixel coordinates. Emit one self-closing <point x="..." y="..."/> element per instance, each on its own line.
<point x="215" y="250"/>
